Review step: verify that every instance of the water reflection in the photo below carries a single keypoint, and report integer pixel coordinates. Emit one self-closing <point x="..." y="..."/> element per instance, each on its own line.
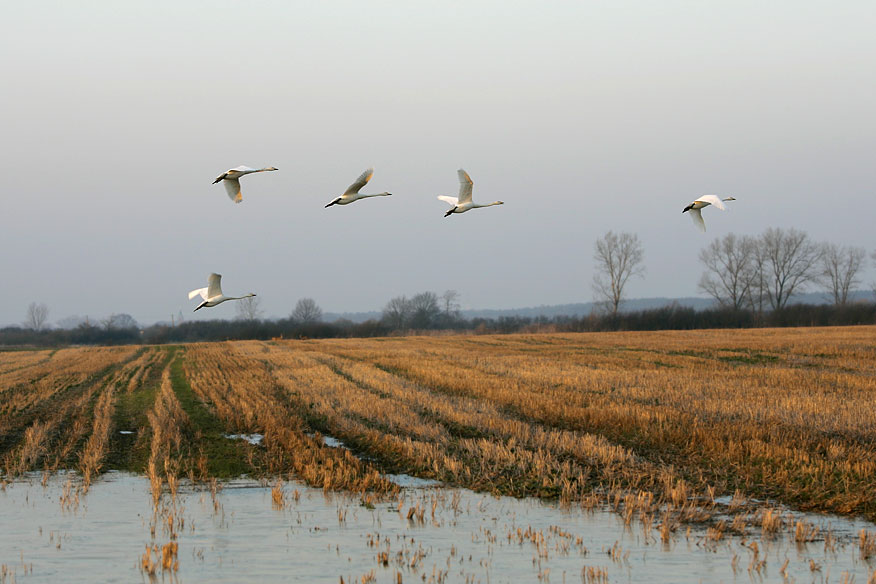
<point x="233" y="533"/>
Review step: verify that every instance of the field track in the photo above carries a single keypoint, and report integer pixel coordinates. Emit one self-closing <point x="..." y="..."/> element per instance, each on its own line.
<point x="636" y="420"/>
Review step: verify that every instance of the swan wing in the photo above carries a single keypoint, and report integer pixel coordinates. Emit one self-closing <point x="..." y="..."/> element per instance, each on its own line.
<point x="465" y="185"/>
<point x="202" y="292"/>
<point x="232" y="187"/>
<point x="214" y="286"/>
<point x="448" y="199"/>
<point x="713" y="200"/>
<point x="360" y="182"/>
<point x="697" y="216"/>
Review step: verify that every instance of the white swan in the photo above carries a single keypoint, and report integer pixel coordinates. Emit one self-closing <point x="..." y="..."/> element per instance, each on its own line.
<point x="697" y="215"/>
<point x="232" y="180"/>
<point x="352" y="193"/>
<point x="212" y="294"/>
<point x="463" y="202"/>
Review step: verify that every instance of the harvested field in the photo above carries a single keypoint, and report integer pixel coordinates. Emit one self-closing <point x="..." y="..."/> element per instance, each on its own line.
<point x="643" y="422"/>
<point x="711" y="445"/>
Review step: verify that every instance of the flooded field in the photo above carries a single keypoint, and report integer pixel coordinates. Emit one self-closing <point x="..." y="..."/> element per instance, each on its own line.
<point x="244" y="531"/>
<point x="674" y="456"/>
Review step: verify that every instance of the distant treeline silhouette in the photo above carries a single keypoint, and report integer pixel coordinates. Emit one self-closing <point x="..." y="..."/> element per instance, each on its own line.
<point x="672" y="317"/>
<point x="751" y="280"/>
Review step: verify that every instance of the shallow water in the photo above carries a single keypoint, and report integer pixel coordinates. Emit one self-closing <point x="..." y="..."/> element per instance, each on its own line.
<point x="462" y="537"/>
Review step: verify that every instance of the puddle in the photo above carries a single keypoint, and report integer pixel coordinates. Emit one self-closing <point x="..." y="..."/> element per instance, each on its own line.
<point x="332" y="442"/>
<point x="402" y="480"/>
<point x="405" y="480"/>
<point x="428" y="534"/>
<point x="253" y="439"/>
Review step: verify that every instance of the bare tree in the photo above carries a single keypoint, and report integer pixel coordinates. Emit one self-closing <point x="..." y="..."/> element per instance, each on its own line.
<point x="307" y="311"/>
<point x="424" y="310"/>
<point x="873" y="285"/>
<point x="787" y="261"/>
<point x="36" y="316"/>
<point x="618" y="257"/>
<point x="249" y="308"/>
<point x="730" y="270"/>
<point x="397" y="313"/>
<point x="450" y="301"/>
<point x="119" y="322"/>
<point x="840" y="266"/>
<point x="450" y="314"/>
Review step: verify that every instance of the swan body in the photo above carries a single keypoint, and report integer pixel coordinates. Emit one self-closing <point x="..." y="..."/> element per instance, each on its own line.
<point x="352" y="194"/>
<point x="212" y="294"/>
<point x="696" y="207"/>
<point x="463" y="202"/>
<point x="231" y="180"/>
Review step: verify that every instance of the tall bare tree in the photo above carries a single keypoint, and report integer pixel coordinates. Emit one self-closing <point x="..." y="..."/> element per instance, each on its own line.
<point x="424" y="310"/>
<point x="730" y="270"/>
<point x="450" y="301"/>
<point x="397" y="313"/>
<point x="36" y="316"/>
<point x="119" y="322"/>
<point x="307" y="311"/>
<point x="873" y="285"/>
<point x="840" y="267"/>
<point x="249" y="308"/>
<point x="618" y="258"/>
<point x="787" y="262"/>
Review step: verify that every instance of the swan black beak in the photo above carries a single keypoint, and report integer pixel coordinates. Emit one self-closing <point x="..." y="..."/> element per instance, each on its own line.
<point x="688" y="208"/>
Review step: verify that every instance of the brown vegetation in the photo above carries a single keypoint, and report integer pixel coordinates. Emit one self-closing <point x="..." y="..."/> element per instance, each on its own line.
<point x="657" y="425"/>
<point x="45" y="407"/>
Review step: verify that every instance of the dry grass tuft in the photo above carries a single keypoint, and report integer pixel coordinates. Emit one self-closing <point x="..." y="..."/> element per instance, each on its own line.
<point x="867" y="544"/>
<point x="278" y="496"/>
<point x="771" y="521"/>
<point x="805" y="532"/>
<point x="594" y="575"/>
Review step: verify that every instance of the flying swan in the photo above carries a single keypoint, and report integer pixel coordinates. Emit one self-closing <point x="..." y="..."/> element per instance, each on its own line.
<point x="695" y="208"/>
<point x="463" y="202"/>
<point x="212" y="294"/>
<point x="231" y="180"/>
<point x="352" y="193"/>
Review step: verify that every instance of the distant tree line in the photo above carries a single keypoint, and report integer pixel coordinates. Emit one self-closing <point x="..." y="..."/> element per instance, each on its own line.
<point x="751" y="279"/>
<point x="763" y="273"/>
<point x="666" y="318"/>
<point x="760" y="274"/>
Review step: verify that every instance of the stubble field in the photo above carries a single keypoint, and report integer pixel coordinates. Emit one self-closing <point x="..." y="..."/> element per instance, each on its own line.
<point x="667" y="428"/>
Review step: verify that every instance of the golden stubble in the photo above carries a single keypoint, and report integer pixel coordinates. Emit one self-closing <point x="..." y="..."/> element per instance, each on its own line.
<point x="642" y="421"/>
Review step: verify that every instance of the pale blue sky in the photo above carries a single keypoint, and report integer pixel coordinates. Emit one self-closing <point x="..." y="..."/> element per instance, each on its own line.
<point x="581" y="116"/>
